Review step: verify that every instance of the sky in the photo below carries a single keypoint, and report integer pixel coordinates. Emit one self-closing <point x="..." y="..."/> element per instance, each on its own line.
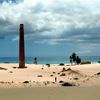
<point x="52" y="27"/>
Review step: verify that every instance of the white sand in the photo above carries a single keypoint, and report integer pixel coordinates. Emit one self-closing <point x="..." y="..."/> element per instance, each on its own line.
<point x="80" y="75"/>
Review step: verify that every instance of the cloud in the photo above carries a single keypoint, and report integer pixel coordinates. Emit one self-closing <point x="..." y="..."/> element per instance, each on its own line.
<point x="52" y="21"/>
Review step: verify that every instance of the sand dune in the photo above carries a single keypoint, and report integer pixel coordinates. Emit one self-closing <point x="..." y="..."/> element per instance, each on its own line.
<point x="40" y="82"/>
<point x="43" y="76"/>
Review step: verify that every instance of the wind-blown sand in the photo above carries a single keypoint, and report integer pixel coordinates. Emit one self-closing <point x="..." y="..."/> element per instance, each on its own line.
<point x="43" y="76"/>
<point x="37" y="82"/>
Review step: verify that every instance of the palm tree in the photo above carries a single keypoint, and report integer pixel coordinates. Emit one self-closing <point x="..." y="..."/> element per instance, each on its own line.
<point x="74" y="57"/>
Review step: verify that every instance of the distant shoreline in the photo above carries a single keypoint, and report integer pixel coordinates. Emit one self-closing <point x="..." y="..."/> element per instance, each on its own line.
<point x="49" y="60"/>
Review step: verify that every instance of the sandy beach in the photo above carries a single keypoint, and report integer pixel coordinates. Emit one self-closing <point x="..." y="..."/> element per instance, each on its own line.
<point x="60" y="93"/>
<point x="53" y="75"/>
<point x="76" y="82"/>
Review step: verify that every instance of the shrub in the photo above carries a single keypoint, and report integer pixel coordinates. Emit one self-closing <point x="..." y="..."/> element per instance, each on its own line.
<point x="86" y="62"/>
<point x="98" y="73"/>
<point x="63" y="74"/>
<point x="26" y="82"/>
<point x="39" y="76"/>
<point x="98" y="61"/>
<point x="68" y="84"/>
<point x="48" y="65"/>
<point x="61" y="81"/>
<point x="61" y="64"/>
<point x="76" y="78"/>
<point x="51" y="75"/>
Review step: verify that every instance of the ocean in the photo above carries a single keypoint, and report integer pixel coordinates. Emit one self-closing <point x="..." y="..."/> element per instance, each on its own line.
<point x="48" y="60"/>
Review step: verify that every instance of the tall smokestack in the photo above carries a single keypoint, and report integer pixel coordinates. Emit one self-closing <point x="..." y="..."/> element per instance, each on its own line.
<point x="21" y="47"/>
